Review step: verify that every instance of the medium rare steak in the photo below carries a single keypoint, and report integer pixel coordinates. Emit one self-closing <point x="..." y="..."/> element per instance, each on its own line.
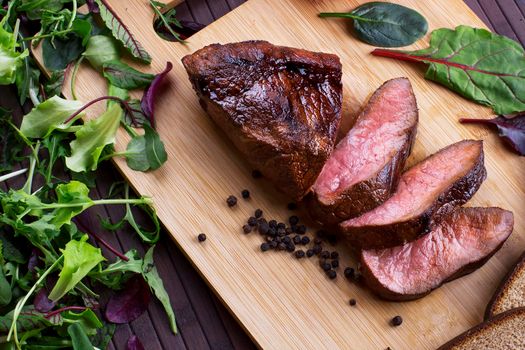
<point x="366" y="165"/>
<point x="426" y="192"/>
<point x="280" y="106"/>
<point x="462" y="242"/>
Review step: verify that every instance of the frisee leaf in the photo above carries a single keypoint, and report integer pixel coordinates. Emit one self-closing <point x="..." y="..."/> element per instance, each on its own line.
<point x="125" y="77"/>
<point x="121" y="32"/>
<point x="482" y="66"/>
<point x="385" y="24"/>
<point x="511" y="129"/>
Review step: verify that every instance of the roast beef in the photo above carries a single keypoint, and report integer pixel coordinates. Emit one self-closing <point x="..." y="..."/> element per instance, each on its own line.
<point x="463" y="241"/>
<point x="366" y="165"/>
<point x="426" y="192"/>
<point x="280" y="106"/>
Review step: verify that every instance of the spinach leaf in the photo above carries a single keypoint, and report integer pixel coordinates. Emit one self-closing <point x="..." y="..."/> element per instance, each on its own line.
<point x="10" y="58"/>
<point x="146" y="152"/>
<point x="48" y="116"/>
<point x="484" y="67"/>
<point x="58" y="53"/>
<point x="121" y="32"/>
<point x="80" y="257"/>
<point x="385" y="24"/>
<point x="151" y="276"/>
<point x="92" y="138"/>
<point x="79" y="338"/>
<point x="101" y="49"/>
<point x="125" y="77"/>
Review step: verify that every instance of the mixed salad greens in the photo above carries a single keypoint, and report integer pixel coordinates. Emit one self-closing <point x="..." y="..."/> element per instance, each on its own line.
<point x="51" y="271"/>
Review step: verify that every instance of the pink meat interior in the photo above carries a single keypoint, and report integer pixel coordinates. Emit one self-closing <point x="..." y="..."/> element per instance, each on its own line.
<point x="466" y="236"/>
<point x="379" y="133"/>
<point x="421" y="185"/>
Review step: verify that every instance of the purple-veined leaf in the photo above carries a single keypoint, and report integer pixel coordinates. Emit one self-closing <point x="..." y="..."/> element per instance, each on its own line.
<point x="148" y="99"/>
<point x="121" y="32"/>
<point x="130" y="302"/>
<point x="510" y="129"/>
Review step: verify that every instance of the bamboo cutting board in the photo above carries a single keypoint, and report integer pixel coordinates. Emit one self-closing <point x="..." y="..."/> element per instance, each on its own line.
<point x="283" y="302"/>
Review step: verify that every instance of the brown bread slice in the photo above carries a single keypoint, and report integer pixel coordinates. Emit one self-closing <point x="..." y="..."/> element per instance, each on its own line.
<point x="505" y="331"/>
<point x="511" y="292"/>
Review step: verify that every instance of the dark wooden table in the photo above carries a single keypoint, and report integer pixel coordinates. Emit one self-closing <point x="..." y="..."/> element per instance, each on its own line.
<point x="203" y="322"/>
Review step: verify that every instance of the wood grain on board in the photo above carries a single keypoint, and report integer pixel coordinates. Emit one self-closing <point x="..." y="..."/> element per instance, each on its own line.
<point x="282" y="302"/>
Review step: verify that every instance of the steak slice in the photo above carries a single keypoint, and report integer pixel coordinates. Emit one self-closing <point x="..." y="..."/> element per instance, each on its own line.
<point x="462" y="242"/>
<point x="426" y="192"/>
<point x="280" y="106"/>
<point x="366" y="165"/>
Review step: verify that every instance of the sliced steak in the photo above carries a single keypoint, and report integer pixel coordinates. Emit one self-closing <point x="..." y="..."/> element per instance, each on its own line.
<point x="280" y="106"/>
<point x="426" y="192"/>
<point x="463" y="241"/>
<point x="366" y="165"/>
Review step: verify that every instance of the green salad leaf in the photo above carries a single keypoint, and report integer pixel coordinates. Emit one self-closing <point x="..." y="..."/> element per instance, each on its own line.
<point x="146" y="152"/>
<point x="125" y="77"/>
<point x="101" y="49"/>
<point x="10" y="58"/>
<point x="74" y="192"/>
<point x="79" y="338"/>
<point x="482" y="66"/>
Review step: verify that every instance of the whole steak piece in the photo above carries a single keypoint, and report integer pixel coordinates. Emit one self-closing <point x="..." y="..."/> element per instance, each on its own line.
<point x="366" y="165"/>
<point x="426" y="192"/>
<point x="280" y="106"/>
<point x="461" y="243"/>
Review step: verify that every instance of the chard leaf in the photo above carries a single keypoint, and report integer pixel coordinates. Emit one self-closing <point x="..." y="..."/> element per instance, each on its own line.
<point x="10" y="58"/>
<point x="151" y="276"/>
<point x="48" y="116"/>
<point x="482" y="66"/>
<point x="79" y="338"/>
<point x="135" y="116"/>
<point x="129" y="303"/>
<point x="385" y="24"/>
<point x="71" y="193"/>
<point x="148" y="99"/>
<point x="125" y="77"/>
<point x="121" y="32"/>
<point x="510" y="129"/>
<point x="29" y="319"/>
<point x="146" y="152"/>
<point x="80" y="258"/>
<point x="101" y="49"/>
<point x="92" y="138"/>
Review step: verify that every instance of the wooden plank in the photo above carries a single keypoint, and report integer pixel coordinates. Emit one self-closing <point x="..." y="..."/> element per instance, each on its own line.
<point x="476" y="7"/>
<point x="497" y="18"/>
<point x="514" y="17"/>
<point x="218" y="8"/>
<point x="269" y="312"/>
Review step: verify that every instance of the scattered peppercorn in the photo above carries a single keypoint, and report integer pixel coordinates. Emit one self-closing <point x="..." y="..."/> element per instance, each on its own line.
<point x="325" y="254"/>
<point x="265" y="246"/>
<point x="256" y="174"/>
<point x="247" y="228"/>
<point x="331" y="274"/>
<point x="335" y="263"/>
<point x="293" y="220"/>
<point x="231" y="200"/>
<point x="201" y="237"/>
<point x="349" y="272"/>
<point x="297" y="239"/>
<point x="396" y="321"/>
<point x="263" y="227"/>
<point x="317" y="249"/>
<point x="305" y="240"/>
<point x="310" y="253"/>
<point x="301" y="229"/>
<point x="292" y="206"/>
<point x="299" y="254"/>
<point x="334" y="255"/>
<point x="252" y="221"/>
<point x="245" y="194"/>
<point x="293" y="228"/>
<point x="258" y="213"/>
<point x="353" y="302"/>
<point x="290" y="247"/>
<point x="326" y="266"/>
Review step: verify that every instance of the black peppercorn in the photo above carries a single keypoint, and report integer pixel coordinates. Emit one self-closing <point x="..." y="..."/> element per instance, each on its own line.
<point x="252" y="221"/>
<point x="293" y="228"/>
<point x="247" y="228"/>
<point x="310" y="253"/>
<point x="265" y="246"/>
<point x="325" y="254"/>
<point x="331" y="274"/>
<point x="274" y="244"/>
<point x="231" y="201"/>
<point x="281" y="231"/>
<point x="349" y="272"/>
<point x="287" y="239"/>
<point x="290" y="247"/>
<point x="301" y="229"/>
<point x="201" y="237"/>
<point x="297" y="239"/>
<point x="305" y="240"/>
<point x="271" y="232"/>
<point x="256" y="174"/>
<point x="272" y="223"/>
<point x="353" y="302"/>
<point x="281" y="246"/>
<point x="258" y="213"/>
<point x="292" y="206"/>
<point x="293" y="220"/>
<point x="299" y="254"/>
<point x="245" y="194"/>
<point x="318" y="241"/>
<point x="396" y="321"/>
<point x="326" y="266"/>
<point x="334" y="255"/>
<point x="281" y="225"/>
<point x="263" y="227"/>
<point x="317" y="249"/>
<point x="335" y="263"/>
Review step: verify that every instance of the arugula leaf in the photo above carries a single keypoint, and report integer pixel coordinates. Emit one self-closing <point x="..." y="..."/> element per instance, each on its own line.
<point x="58" y="53"/>
<point x="101" y="49"/>
<point x="71" y="193"/>
<point x="151" y="276"/>
<point x="92" y="138"/>
<point x="121" y="32"/>
<point x="385" y="24"/>
<point x="146" y="152"/>
<point x="79" y="338"/>
<point x="80" y="257"/>
<point x="48" y="116"/>
<point x="166" y="21"/>
<point x="125" y="77"/>
<point x="482" y="66"/>
<point x="10" y="59"/>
